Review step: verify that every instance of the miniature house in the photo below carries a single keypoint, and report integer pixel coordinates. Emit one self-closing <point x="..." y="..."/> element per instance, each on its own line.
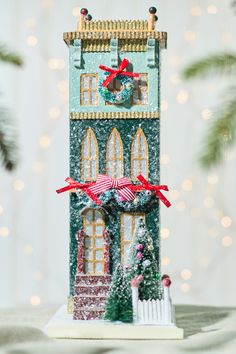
<point x="115" y="140"/>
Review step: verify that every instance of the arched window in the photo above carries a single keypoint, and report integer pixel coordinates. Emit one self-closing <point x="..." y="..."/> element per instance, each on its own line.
<point x="89" y="157"/>
<point x="93" y="221"/>
<point x="139" y="155"/>
<point x="115" y="159"/>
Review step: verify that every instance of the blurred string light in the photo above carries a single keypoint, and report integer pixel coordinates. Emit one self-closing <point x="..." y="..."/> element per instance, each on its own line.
<point x="182" y="96"/>
<point x="4" y="231"/>
<point x="165" y="233"/>
<point x="212" y="179"/>
<point x="47" y="4"/>
<point x="186" y="274"/>
<point x="165" y="159"/>
<point x="212" y="9"/>
<point x="31" y="41"/>
<point x="54" y="112"/>
<point x="18" y="185"/>
<point x="63" y="86"/>
<point x="185" y="287"/>
<point x="181" y="206"/>
<point x="35" y="300"/>
<point x="174" y="61"/>
<point x="187" y="185"/>
<point x="164" y="105"/>
<point x="175" y="79"/>
<point x="226" y="221"/>
<point x="28" y="249"/>
<point x="56" y="64"/>
<point x="165" y="261"/>
<point x="196" y="10"/>
<point x="44" y="141"/>
<point x="190" y="36"/>
<point x="195" y="212"/>
<point x="174" y="194"/>
<point x="37" y="167"/>
<point x="227" y="241"/>
<point x="206" y="113"/>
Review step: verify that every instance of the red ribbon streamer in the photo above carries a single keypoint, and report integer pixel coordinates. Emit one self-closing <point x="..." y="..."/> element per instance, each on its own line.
<point x="82" y="186"/>
<point x="124" y="187"/>
<point x="149" y="187"/>
<point x="119" y="71"/>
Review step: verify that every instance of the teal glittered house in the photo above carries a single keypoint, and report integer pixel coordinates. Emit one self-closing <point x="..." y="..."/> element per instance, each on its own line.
<point x="114" y="132"/>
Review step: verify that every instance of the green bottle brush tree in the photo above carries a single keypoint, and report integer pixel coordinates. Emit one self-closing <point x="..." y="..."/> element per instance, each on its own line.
<point x="221" y="134"/>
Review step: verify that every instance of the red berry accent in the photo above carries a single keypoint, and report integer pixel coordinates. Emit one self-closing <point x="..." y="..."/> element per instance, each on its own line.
<point x="84" y="11"/>
<point x="164" y="276"/>
<point x="166" y="282"/>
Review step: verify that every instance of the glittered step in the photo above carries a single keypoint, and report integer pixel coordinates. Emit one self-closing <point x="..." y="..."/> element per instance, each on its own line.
<point x="89" y="301"/>
<point x="98" y="290"/>
<point x="84" y="279"/>
<point x="85" y="314"/>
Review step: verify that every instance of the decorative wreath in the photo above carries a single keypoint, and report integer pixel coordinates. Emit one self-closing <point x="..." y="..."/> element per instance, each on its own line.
<point x="120" y="96"/>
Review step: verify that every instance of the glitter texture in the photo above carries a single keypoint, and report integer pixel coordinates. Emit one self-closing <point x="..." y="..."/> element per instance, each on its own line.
<point x="99" y="233"/>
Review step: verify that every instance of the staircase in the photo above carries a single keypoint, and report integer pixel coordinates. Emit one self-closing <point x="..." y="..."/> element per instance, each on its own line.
<point x="91" y="292"/>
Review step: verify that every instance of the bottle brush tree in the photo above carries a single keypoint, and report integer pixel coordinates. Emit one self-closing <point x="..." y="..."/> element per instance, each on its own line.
<point x="119" y="303"/>
<point x="144" y="264"/>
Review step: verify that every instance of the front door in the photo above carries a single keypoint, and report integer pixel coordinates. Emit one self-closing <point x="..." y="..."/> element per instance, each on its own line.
<point x="129" y="223"/>
<point x="93" y="221"/>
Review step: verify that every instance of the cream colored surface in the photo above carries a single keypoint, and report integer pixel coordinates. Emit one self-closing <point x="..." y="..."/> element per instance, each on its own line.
<point x="34" y="255"/>
<point x="61" y="325"/>
<point x="207" y="330"/>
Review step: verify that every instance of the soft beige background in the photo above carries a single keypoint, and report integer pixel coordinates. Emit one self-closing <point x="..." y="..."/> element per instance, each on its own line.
<point x="34" y="220"/>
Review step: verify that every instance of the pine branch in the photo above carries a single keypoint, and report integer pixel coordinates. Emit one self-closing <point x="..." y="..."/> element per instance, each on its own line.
<point x="10" y="57"/>
<point x="221" y="134"/>
<point x="233" y="4"/>
<point x="224" y="63"/>
<point x="8" y="146"/>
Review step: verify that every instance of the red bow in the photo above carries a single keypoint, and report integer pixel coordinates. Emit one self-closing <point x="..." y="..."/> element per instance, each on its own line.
<point x="118" y="71"/>
<point x="104" y="183"/>
<point x="147" y="186"/>
<point x="82" y="186"/>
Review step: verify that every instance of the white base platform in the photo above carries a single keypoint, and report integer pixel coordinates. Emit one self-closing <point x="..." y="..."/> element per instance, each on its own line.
<point x="62" y="325"/>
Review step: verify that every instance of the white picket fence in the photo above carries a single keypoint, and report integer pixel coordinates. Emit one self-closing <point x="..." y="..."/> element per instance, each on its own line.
<point x="158" y="312"/>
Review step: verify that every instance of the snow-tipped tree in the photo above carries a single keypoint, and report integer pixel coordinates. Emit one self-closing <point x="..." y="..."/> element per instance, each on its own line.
<point x="118" y="306"/>
<point x="143" y="262"/>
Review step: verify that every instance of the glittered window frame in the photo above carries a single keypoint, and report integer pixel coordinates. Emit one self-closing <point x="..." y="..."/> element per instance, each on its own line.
<point x="123" y="242"/>
<point x="90" y="90"/>
<point x="93" y="224"/>
<point x="92" y="156"/>
<point x="140" y="156"/>
<point x="115" y="145"/>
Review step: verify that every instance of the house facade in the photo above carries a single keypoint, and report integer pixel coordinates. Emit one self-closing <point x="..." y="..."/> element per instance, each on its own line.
<point x="115" y="140"/>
